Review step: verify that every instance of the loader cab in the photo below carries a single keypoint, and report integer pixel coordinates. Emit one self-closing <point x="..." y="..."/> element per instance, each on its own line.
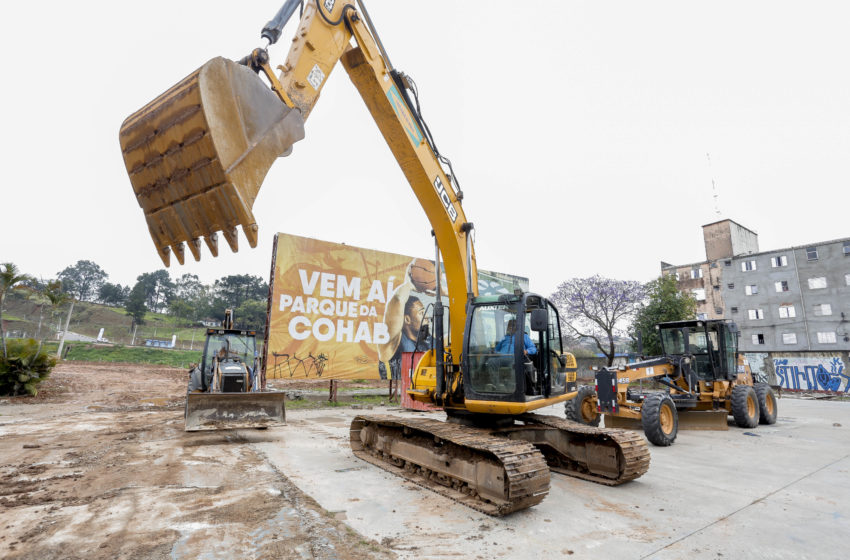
<point x="512" y="351"/>
<point x="235" y="351"/>
<point x="713" y="345"/>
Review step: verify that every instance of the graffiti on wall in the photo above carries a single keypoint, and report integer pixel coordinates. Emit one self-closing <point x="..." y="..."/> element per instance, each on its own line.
<point x="812" y="374"/>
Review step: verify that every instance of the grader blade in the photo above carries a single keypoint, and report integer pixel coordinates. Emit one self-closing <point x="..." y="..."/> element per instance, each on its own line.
<point x="197" y="156"/>
<point x="227" y="411"/>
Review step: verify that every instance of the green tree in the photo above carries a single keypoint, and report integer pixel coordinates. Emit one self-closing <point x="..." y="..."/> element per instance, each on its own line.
<point x="113" y="294"/>
<point x="158" y="288"/>
<point x="236" y="289"/>
<point x="10" y="278"/>
<point x="135" y="305"/>
<point x="665" y="302"/>
<point x="189" y="301"/>
<point x="251" y="315"/>
<point x="83" y="279"/>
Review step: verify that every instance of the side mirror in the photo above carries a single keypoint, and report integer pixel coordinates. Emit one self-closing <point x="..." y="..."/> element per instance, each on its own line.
<point x="562" y="360"/>
<point x="539" y="319"/>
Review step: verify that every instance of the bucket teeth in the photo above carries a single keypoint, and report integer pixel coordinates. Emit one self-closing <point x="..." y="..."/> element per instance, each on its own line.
<point x="212" y="243"/>
<point x="232" y="237"/>
<point x="195" y="248"/>
<point x="164" y="254"/>
<point x="250" y="232"/>
<point x="179" y="252"/>
<point x="198" y="154"/>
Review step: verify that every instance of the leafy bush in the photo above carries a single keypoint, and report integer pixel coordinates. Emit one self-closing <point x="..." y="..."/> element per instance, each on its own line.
<point x="25" y="366"/>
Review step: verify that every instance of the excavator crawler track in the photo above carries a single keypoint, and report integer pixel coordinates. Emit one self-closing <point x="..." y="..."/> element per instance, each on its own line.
<point x="603" y="455"/>
<point x="491" y="474"/>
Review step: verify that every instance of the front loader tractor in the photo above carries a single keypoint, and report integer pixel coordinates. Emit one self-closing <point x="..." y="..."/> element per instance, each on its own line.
<point x="698" y="381"/>
<point x="227" y="390"/>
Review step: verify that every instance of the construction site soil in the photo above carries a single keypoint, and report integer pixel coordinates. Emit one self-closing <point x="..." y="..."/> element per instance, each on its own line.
<point x="98" y="466"/>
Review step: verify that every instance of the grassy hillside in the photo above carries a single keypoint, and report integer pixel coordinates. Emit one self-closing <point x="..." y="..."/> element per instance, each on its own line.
<point x="21" y="317"/>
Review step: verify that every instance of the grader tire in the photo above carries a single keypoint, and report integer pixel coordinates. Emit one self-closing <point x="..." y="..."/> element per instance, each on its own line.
<point x="745" y="406"/>
<point x="659" y="419"/>
<point x="767" y="403"/>
<point x="582" y="409"/>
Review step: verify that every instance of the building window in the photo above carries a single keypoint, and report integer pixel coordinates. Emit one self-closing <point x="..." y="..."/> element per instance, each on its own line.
<point x="755" y="314"/>
<point x="758" y="338"/>
<point x="826" y="337"/>
<point x="789" y="338"/>
<point x="748" y="265"/>
<point x="847" y="248"/>
<point x="787" y="311"/>
<point x="677" y="276"/>
<point x="822" y="309"/>
<point x="781" y="286"/>
<point x="727" y="263"/>
<point x="812" y="253"/>
<point x="702" y="316"/>
<point x="817" y="283"/>
<point x="847" y="279"/>
<point x="699" y="294"/>
<point x="731" y="285"/>
<point x="734" y="310"/>
<point x="696" y="273"/>
<point x="778" y="261"/>
<point x="751" y="289"/>
<point x="718" y="310"/>
<point x="716" y="286"/>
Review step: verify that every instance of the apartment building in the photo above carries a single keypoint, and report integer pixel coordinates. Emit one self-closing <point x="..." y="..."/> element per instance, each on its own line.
<point x="792" y="305"/>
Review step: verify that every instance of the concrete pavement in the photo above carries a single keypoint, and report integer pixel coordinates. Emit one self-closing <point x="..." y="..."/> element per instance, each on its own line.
<point x="776" y="491"/>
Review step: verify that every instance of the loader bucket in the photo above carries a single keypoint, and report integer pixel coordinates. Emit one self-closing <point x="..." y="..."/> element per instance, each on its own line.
<point x="226" y="411"/>
<point x="198" y="153"/>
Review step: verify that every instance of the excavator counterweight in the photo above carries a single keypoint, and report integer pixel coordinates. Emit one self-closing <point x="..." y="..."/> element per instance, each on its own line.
<point x="198" y="153"/>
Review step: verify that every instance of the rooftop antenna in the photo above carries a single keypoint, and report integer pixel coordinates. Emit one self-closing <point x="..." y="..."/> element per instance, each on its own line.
<point x="713" y="186"/>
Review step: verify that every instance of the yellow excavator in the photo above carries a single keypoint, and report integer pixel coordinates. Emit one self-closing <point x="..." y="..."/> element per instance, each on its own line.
<point x="197" y="156"/>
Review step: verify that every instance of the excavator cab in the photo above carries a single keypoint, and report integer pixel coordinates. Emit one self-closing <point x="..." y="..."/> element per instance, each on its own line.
<point x="513" y="350"/>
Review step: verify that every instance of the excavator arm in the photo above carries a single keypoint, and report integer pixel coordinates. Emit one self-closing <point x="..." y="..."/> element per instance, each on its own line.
<point x="198" y="154"/>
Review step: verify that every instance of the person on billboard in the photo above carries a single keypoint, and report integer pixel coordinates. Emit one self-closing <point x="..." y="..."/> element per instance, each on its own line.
<point x="403" y="316"/>
<point x="506" y="345"/>
<point x="414" y="318"/>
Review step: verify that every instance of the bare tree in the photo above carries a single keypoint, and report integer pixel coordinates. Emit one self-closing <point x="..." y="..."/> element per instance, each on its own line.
<point x="598" y="308"/>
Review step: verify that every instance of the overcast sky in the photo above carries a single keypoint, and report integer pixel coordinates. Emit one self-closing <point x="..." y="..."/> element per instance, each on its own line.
<point x="578" y="130"/>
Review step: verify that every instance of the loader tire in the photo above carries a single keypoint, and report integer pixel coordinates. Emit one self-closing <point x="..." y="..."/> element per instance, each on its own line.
<point x="745" y="406"/>
<point x="767" y="403"/>
<point x="582" y="409"/>
<point x="659" y="419"/>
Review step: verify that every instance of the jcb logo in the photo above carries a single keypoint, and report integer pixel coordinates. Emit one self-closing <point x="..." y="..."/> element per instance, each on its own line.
<point x="444" y="196"/>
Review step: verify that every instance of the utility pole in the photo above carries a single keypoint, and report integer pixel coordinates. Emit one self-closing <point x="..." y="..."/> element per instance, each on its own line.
<point x="65" y="332"/>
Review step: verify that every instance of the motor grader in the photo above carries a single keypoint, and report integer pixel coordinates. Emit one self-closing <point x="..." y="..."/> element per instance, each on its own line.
<point x="703" y="379"/>
<point x="227" y="389"/>
<point x="197" y="156"/>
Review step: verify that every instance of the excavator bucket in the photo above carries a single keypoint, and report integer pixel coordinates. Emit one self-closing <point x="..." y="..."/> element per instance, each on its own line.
<point x="225" y="411"/>
<point x="198" y="153"/>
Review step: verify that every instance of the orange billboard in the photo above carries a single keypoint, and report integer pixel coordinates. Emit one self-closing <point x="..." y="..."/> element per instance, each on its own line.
<point x="344" y="312"/>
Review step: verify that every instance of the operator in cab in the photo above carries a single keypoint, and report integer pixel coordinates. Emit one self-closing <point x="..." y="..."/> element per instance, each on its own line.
<point x="506" y="345"/>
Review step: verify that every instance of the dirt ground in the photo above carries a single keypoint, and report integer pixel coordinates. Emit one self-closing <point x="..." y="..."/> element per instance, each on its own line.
<point x="98" y="466"/>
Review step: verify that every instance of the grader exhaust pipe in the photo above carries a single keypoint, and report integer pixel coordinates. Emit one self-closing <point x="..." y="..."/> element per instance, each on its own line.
<point x="198" y="153"/>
